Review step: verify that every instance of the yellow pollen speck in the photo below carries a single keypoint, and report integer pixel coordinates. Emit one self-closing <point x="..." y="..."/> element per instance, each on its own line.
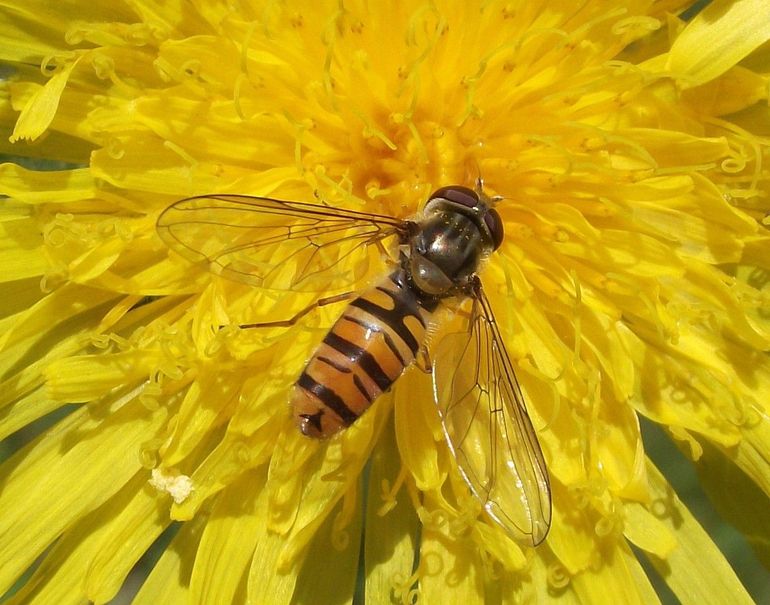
<point x="178" y="486"/>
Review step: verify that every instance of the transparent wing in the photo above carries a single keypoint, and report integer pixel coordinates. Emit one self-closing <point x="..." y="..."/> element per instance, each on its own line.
<point x="277" y="244"/>
<point x="487" y="426"/>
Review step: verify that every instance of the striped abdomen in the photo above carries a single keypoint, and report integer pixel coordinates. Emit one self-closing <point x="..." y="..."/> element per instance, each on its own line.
<point x="368" y="347"/>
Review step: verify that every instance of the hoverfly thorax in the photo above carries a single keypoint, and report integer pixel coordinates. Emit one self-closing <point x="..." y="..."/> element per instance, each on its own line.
<point x="458" y="229"/>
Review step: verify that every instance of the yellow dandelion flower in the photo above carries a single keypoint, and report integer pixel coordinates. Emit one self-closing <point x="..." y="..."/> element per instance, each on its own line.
<point x="630" y="142"/>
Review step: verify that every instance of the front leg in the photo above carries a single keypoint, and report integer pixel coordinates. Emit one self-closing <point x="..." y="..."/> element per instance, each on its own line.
<point x="321" y="302"/>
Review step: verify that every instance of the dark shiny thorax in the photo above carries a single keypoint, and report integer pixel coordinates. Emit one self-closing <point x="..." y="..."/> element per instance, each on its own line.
<point x="456" y="231"/>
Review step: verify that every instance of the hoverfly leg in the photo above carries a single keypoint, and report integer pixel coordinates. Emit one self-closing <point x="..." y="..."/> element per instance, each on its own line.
<point x="382" y="250"/>
<point x="423" y="361"/>
<point x="286" y="323"/>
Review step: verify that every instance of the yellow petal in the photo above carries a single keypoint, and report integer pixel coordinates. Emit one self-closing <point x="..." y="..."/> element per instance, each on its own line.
<point x="572" y="536"/>
<point x="330" y="567"/>
<point x="205" y="408"/>
<point x="720" y="36"/>
<point x="617" y="579"/>
<point x="417" y="422"/>
<point x="66" y="378"/>
<point x="169" y="580"/>
<point x="40" y="109"/>
<point x="118" y="534"/>
<point x="450" y="571"/>
<point x="547" y="579"/>
<point x="229" y="458"/>
<point x="646" y="531"/>
<point x="21" y="249"/>
<point x="392" y="526"/>
<point x="73" y="474"/>
<point x="49" y="186"/>
<point x="228" y="541"/>
<point x="617" y="445"/>
<point x="735" y="90"/>
<point x="25" y="410"/>
<point x="695" y="570"/>
<point x="343" y="460"/>
<point x="752" y="453"/>
<point x="33" y="328"/>
<point x="266" y="582"/>
<point x="743" y="505"/>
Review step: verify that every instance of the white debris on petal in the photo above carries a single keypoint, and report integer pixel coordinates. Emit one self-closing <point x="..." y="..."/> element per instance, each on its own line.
<point x="178" y="486"/>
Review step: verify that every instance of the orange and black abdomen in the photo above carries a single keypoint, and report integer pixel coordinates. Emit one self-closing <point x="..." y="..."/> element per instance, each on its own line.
<point x="367" y="349"/>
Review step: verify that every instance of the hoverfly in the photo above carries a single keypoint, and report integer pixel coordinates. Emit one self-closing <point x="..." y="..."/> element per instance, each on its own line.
<point x="298" y="246"/>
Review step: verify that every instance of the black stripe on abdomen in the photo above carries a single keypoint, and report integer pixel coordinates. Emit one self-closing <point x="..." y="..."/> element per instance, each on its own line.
<point x="394" y="318"/>
<point x="367" y="325"/>
<point x="362" y="388"/>
<point x="330" y="362"/>
<point x="365" y="359"/>
<point x="328" y="397"/>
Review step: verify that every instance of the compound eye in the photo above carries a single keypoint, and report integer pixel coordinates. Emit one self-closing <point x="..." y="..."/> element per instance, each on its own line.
<point x="495" y="225"/>
<point x="458" y="194"/>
